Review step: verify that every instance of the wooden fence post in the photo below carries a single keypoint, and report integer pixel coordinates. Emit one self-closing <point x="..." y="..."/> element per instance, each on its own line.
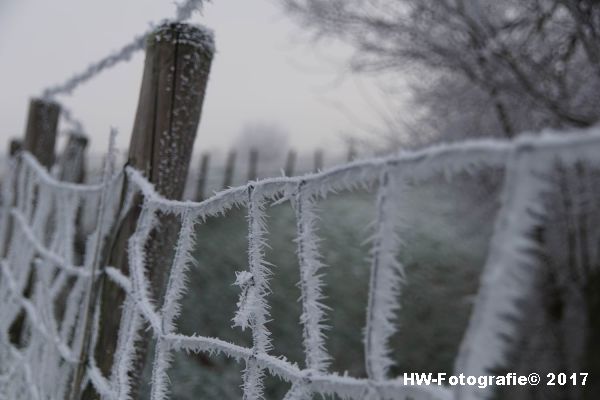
<point x="16" y="145"/>
<point x="203" y="178"/>
<point x="290" y="163"/>
<point x="178" y="60"/>
<point x="40" y="139"/>
<point x="318" y="160"/>
<point x="40" y="135"/>
<point x="229" y="168"/>
<point x="71" y="162"/>
<point x="351" y="151"/>
<point x="253" y="165"/>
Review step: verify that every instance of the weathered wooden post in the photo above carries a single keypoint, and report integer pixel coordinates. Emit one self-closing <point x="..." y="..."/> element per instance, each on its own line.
<point x="318" y="160"/>
<point x="71" y="162"/>
<point x="40" y="135"/>
<point x="253" y="165"/>
<point x="229" y="168"/>
<point x="16" y="145"/>
<point x="178" y="60"/>
<point x="40" y="139"/>
<point x="290" y="163"/>
<point x="202" y="179"/>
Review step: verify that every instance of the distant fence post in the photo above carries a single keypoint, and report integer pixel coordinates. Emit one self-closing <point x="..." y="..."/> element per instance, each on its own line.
<point x="290" y="163"/>
<point x="253" y="165"/>
<point x="203" y="177"/>
<point x="229" y="168"/>
<point x="178" y="60"/>
<point x="318" y="160"/>
<point x="16" y="145"/>
<point x="40" y="134"/>
<point x="72" y="161"/>
<point x="351" y="151"/>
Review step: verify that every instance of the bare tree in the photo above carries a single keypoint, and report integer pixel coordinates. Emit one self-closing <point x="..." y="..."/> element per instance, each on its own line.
<point x="477" y="67"/>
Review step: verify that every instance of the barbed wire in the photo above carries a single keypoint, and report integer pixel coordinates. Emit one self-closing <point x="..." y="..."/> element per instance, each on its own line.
<point x="184" y="12"/>
<point x="73" y="123"/>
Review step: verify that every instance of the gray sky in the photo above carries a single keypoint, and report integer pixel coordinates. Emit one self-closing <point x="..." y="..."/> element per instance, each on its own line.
<point x="264" y="70"/>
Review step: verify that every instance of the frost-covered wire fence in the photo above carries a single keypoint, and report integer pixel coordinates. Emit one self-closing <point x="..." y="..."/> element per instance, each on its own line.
<point x="214" y="173"/>
<point x="44" y="279"/>
<point x="42" y="214"/>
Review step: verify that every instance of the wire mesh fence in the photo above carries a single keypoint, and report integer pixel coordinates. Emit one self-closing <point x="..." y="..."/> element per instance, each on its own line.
<point x="54" y="235"/>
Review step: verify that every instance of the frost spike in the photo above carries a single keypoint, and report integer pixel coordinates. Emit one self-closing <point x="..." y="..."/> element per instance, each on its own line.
<point x="508" y="272"/>
<point x="253" y="310"/>
<point x="387" y="274"/>
<point x="313" y="311"/>
<point x="171" y="308"/>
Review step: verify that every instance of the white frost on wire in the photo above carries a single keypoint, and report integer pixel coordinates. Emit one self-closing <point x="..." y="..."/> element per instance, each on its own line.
<point x="123" y="54"/>
<point x="171" y="309"/>
<point x="311" y="283"/>
<point x="185" y="10"/>
<point x="509" y="271"/>
<point x="313" y="314"/>
<point x="387" y="275"/>
<point x="39" y="229"/>
<point x="253" y="309"/>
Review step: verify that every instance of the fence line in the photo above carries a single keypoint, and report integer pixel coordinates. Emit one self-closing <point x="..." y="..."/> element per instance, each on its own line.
<point x="203" y="179"/>
<point x="42" y="366"/>
<point x="49" y="352"/>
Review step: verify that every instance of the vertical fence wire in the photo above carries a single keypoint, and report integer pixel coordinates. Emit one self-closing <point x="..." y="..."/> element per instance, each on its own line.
<point x="387" y="274"/>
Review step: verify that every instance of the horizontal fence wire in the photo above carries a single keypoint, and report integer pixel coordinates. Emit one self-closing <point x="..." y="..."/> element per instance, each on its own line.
<point x="41" y="213"/>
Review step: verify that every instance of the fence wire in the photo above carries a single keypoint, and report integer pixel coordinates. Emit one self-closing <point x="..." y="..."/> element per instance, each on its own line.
<point x="184" y="12"/>
<point x="41" y="257"/>
<point x="49" y="233"/>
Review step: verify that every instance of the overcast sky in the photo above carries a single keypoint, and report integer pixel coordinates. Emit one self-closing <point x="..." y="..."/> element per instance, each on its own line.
<point x="264" y="71"/>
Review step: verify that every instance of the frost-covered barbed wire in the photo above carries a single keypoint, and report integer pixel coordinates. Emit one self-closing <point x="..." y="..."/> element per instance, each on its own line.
<point x="22" y="377"/>
<point x="123" y="54"/>
<point x="185" y="10"/>
<point x="73" y="124"/>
